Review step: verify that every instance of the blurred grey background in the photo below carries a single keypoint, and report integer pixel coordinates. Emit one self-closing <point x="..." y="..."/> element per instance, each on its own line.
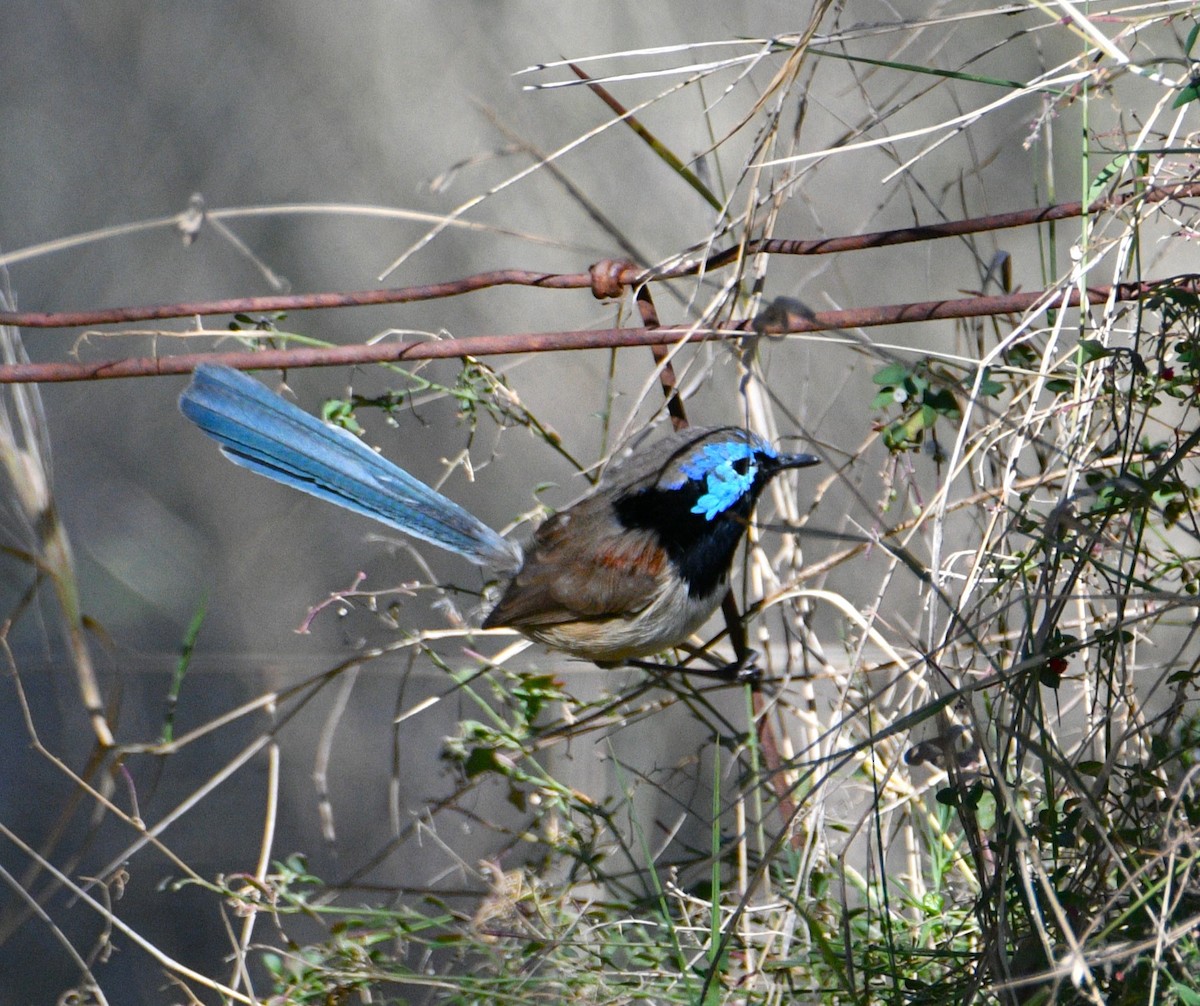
<point x="115" y="113"/>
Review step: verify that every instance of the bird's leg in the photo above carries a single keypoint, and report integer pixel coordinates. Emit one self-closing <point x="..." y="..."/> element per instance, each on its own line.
<point x="744" y="667"/>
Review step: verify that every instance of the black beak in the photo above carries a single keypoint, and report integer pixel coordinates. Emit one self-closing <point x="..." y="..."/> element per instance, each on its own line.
<point x="785" y="461"/>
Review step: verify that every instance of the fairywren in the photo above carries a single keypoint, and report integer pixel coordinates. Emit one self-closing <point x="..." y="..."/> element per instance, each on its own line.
<point x="630" y="570"/>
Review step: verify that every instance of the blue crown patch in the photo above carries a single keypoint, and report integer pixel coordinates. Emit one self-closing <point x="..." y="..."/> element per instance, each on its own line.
<point x="714" y="462"/>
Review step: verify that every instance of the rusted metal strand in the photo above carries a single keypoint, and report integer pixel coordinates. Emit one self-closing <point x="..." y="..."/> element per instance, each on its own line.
<point x="780" y="319"/>
<point x="624" y="274"/>
<point x="949" y="229"/>
<point x="299" y="301"/>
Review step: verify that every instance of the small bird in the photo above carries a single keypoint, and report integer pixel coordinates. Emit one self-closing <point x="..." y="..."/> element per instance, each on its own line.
<point x="632" y="569"/>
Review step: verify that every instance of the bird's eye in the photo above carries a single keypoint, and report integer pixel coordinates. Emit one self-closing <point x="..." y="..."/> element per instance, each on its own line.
<point x="741" y="466"/>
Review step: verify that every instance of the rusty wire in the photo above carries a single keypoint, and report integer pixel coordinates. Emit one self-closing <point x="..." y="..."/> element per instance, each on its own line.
<point x="605" y="279"/>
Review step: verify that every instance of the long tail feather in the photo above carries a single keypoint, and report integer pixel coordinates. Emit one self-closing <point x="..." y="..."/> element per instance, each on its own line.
<point x="261" y="431"/>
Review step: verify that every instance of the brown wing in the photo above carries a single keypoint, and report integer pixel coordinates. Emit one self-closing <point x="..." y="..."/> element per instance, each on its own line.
<point x="580" y="566"/>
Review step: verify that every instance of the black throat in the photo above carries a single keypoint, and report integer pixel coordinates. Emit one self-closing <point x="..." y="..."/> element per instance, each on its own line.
<point x="700" y="550"/>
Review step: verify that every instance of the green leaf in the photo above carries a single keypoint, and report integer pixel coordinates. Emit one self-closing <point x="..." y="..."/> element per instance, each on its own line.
<point x="185" y="659"/>
<point x="989" y="388"/>
<point x="943" y="401"/>
<point x="715" y="994"/>
<point x="341" y="413"/>
<point x="481" y="760"/>
<point x="1060" y="386"/>
<point x="1191" y="39"/>
<point x="897" y="438"/>
<point x="1091" y="350"/>
<point x="893" y="373"/>
<point x="1187" y="95"/>
<point x="1100" y="184"/>
<point x="1186" y="995"/>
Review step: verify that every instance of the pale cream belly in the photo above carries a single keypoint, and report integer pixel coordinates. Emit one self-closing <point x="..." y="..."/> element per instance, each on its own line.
<point x="666" y="622"/>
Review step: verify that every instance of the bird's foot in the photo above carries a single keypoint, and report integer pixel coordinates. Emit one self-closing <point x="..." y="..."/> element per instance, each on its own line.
<point x="744" y="671"/>
<point x="739" y="672"/>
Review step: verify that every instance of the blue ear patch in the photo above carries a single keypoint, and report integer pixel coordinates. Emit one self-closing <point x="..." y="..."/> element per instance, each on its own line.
<point x="714" y="463"/>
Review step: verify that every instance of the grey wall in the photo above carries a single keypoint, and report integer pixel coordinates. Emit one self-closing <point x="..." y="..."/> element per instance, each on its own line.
<point x="118" y="112"/>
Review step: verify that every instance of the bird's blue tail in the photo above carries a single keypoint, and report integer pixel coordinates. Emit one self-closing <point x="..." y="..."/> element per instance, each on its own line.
<point x="261" y="431"/>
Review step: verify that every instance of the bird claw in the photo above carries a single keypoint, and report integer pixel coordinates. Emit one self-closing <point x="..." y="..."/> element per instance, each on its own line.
<point x="739" y="672"/>
<point x="744" y="671"/>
